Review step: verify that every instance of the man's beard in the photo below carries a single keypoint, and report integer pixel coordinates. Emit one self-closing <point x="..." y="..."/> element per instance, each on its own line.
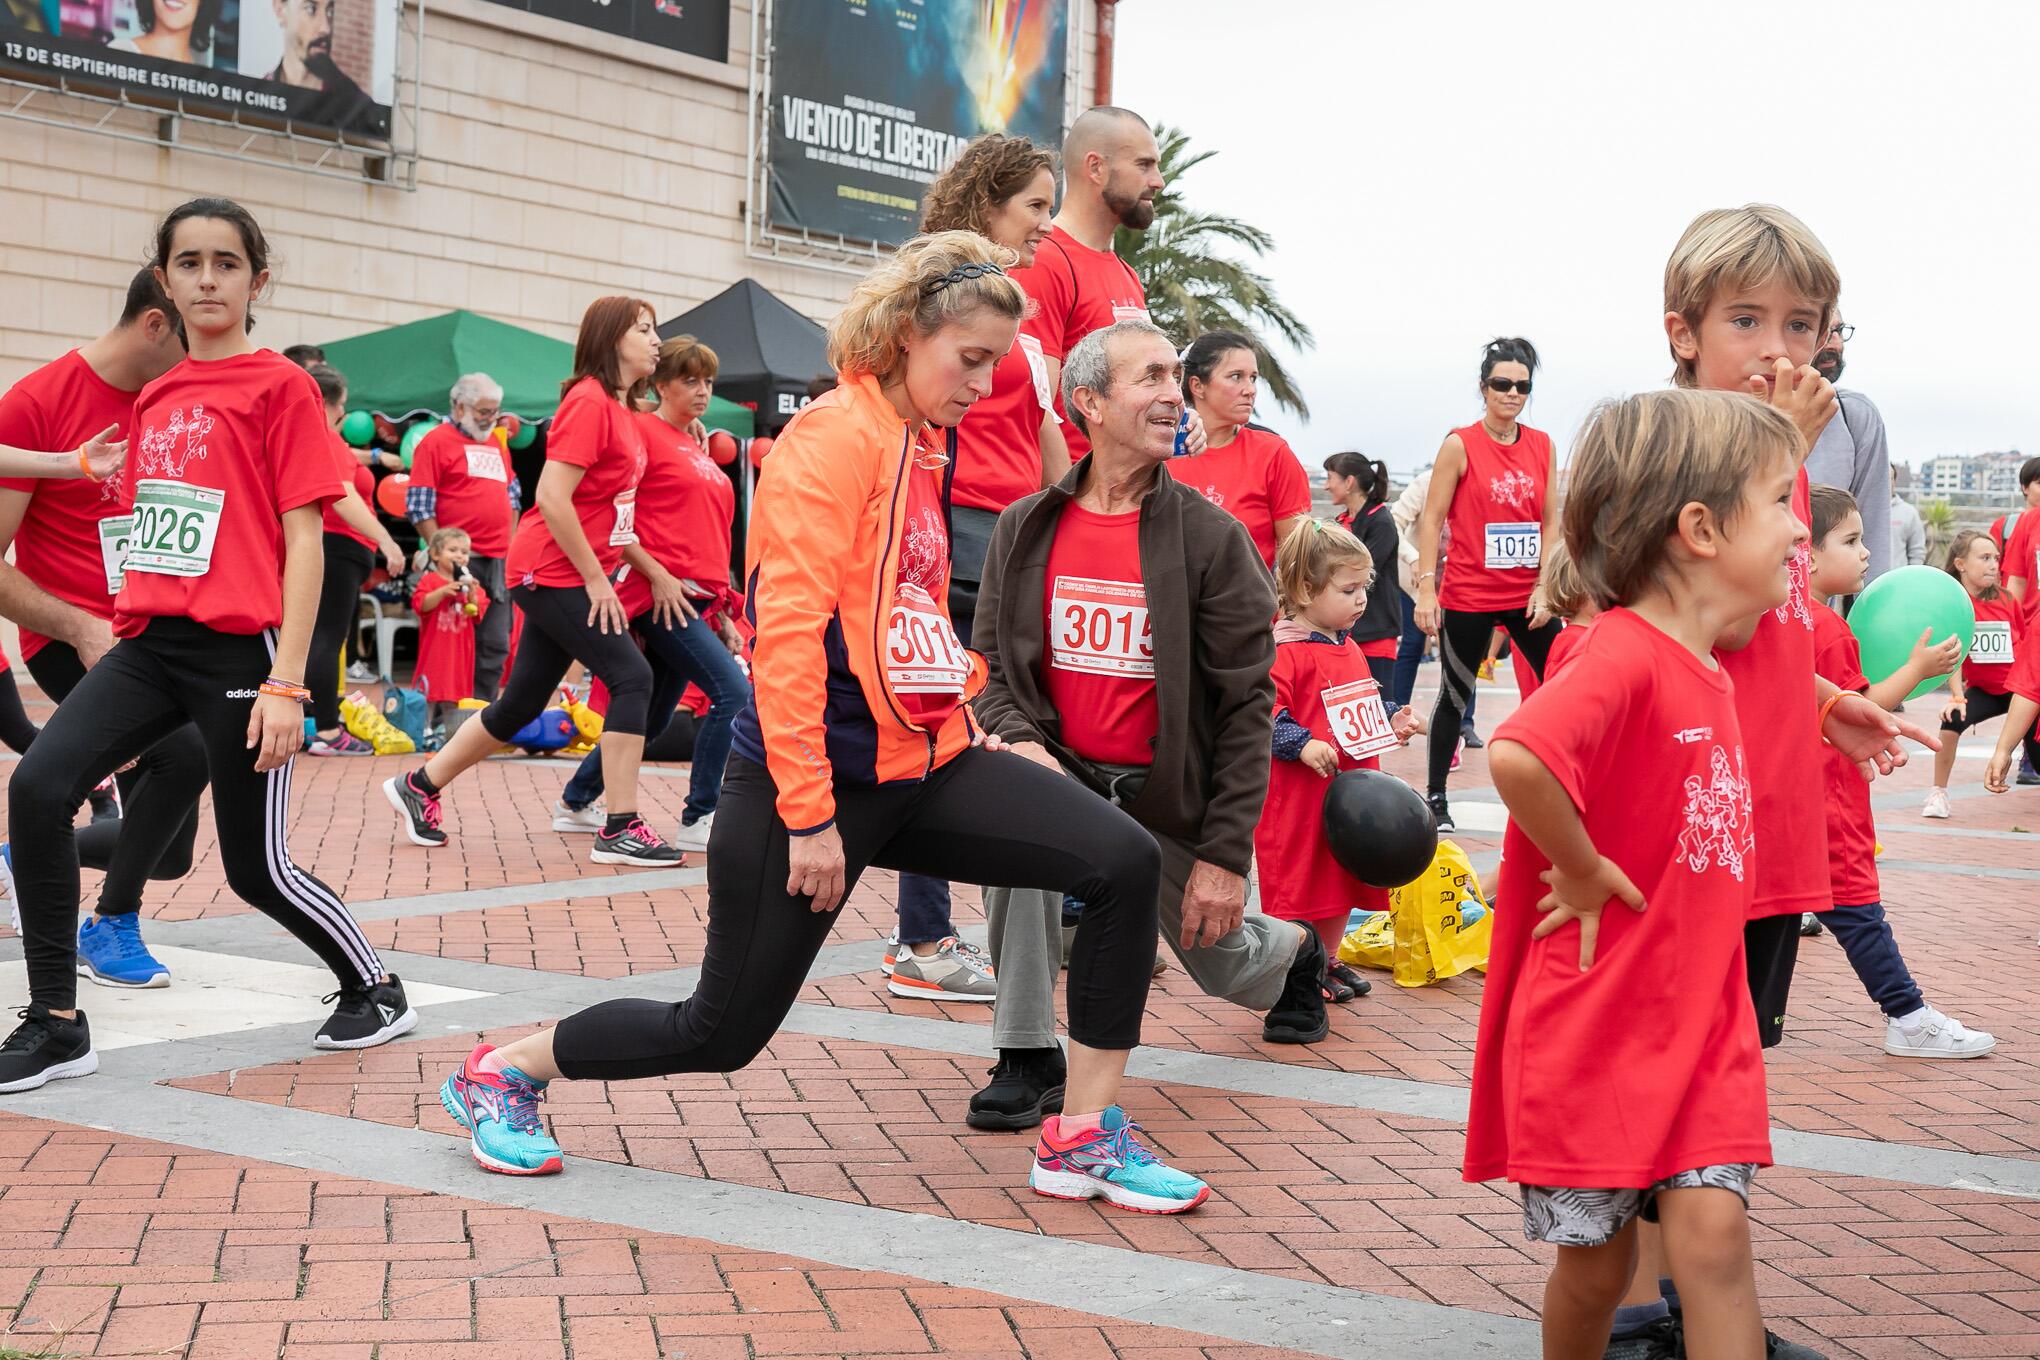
<point x="474" y="429"/>
<point x="1137" y="213"/>
<point x="1828" y="363"/>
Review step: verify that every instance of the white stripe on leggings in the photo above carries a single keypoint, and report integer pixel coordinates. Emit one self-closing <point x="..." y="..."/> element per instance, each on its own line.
<point x="314" y="899"/>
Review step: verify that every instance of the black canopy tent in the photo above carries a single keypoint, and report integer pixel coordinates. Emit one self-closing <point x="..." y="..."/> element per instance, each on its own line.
<point x="768" y="353"/>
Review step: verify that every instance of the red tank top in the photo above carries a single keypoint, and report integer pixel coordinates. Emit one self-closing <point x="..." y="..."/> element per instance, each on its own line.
<point x="1496" y="521"/>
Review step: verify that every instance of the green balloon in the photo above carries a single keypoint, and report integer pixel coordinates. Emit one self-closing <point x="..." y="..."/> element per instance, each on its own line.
<point x="1900" y="605"/>
<point x="526" y="432"/>
<point x="418" y="432"/>
<point x="358" y="428"/>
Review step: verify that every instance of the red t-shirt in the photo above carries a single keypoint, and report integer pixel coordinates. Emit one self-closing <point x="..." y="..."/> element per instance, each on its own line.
<point x="353" y="473"/>
<point x="926" y="664"/>
<point x="1256" y="478"/>
<point x="446" y="640"/>
<point x="472" y="477"/>
<point x="59" y="545"/>
<point x="1562" y="647"/>
<point x="1496" y="517"/>
<point x="685" y="506"/>
<point x="1851" y="829"/>
<point x="1099" y="667"/>
<point x="1643" y="737"/>
<point x="221" y="448"/>
<point x="592" y="431"/>
<point x="2000" y="633"/>
<point x="1077" y="290"/>
<point x="998" y="445"/>
<point x="1775" y="696"/>
<point x="2022" y="553"/>
<point x="2025" y="677"/>
<point x="1327" y="687"/>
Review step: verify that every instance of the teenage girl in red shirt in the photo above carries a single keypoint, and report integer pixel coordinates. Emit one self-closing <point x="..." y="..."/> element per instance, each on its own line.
<point x="1490" y="494"/>
<point x="1982" y="689"/>
<point x="1360" y="485"/>
<point x="229" y="468"/>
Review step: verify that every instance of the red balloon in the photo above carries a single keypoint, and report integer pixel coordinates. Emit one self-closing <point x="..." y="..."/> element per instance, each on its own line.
<point x="760" y="446"/>
<point x="722" y="446"/>
<point x="389" y="494"/>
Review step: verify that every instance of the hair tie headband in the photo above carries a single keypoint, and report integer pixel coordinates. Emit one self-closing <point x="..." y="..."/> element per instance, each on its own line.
<point x="958" y="275"/>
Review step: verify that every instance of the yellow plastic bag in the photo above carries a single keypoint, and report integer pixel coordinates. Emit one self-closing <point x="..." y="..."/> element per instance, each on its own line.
<point x="365" y="721"/>
<point x="587" y="723"/>
<point x="1424" y="935"/>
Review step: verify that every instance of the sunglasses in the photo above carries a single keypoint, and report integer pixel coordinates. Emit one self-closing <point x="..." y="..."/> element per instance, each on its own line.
<point x="1503" y="385"/>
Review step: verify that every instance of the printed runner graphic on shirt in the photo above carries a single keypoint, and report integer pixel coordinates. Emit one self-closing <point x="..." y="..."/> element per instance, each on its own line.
<point x="1513" y="489"/>
<point x="924" y="551"/>
<point x="1795" y="606"/>
<point x="158" y="451"/>
<point x="1718" y="830"/>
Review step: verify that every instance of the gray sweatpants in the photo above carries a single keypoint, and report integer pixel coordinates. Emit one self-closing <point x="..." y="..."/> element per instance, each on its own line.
<point x="1246" y="967"/>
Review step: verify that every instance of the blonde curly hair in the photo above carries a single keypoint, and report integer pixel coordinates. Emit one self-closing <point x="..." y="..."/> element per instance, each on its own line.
<point x="927" y="283"/>
<point x="992" y="169"/>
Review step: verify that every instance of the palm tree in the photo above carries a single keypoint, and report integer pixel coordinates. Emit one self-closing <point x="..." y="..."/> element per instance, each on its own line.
<point x="1939" y="517"/>
<point x="1194" y="284"/>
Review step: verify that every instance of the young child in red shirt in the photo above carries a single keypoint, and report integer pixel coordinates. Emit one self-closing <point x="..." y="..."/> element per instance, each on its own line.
<point x="1981" y="690"/>
<point x="1627" y="785"/>
<point x="1913" y="1029"/>
<point x="1329" y="717"/>
<point x="1561" y="594"/>
<point x="449" y="603"/>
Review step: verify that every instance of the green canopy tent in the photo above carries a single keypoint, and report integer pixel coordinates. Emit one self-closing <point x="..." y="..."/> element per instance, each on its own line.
<point x="406" y="371"/>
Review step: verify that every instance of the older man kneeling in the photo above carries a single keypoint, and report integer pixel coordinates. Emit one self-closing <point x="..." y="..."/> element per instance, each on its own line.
<point x="1126" y="621"/>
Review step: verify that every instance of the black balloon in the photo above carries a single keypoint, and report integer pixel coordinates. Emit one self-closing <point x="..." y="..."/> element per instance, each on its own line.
<point x="1378" y="829"/>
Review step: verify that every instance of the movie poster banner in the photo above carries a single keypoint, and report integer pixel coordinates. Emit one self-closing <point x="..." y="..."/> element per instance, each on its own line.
<point x="326" y="63"/>
<point x="871" y="99"/>
<point x="700" y="27"/>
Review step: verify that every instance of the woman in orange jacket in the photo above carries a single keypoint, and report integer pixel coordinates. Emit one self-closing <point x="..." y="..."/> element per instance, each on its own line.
<point x="859" y="748"/>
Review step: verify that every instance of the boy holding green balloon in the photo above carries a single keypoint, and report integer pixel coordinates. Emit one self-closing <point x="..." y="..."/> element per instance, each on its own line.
<point x="1912" y="1028"/>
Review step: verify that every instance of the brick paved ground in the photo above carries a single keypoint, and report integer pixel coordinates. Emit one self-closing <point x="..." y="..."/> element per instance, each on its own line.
<point x="112" y="1244"/>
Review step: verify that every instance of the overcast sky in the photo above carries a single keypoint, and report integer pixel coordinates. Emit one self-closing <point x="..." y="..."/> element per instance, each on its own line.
<point x="1437" y="174"/>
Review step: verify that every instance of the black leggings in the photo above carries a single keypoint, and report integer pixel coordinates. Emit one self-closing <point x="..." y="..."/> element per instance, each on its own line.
<point x="15" y="728"/>
<point x="556" y="635"/>
<point x="177" y="675"/>
<point x="984" y="817"/>
<point x="158" y="822"/>
<point x="1462" y="645"/>
<point x="348" y="565"/>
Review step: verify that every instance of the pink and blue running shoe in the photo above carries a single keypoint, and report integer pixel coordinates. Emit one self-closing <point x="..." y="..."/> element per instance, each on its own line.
<point x="1111" y="1161"/>
<point x="500" y="1112"/>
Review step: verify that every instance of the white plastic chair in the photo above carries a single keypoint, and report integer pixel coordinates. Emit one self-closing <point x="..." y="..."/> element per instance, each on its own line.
<point x="387" y="626"/>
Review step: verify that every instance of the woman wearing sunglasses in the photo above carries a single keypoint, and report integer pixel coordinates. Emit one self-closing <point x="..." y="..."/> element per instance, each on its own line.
<point x="1490" y="511"/>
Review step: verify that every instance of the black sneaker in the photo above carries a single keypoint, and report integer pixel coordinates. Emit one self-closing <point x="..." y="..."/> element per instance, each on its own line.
<point x="417" y="811"/>
<point x="105" y="804"/>
<point x="1026" y="1087"/>
<point x="1776" y="1347"/>
<point x="2028" y="776"/>
<point x="1298" y="1015"/>
<point x="1658" y="1341"/>
<point x="1809" y="924"/>
<point x="636" y="845"/>
<point x="1441" y="812"/>
<point x="45" y="1047"/>
<point x="1471" y="738"/>
<point x="367" y="1016"/>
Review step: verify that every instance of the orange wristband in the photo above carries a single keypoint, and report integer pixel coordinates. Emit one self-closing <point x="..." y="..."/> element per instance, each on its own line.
<point x="1829" y="707"/>
<point x="86" y="467"/>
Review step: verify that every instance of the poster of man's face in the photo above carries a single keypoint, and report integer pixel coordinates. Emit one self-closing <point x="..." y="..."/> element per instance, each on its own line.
<point x="305" y="31"/>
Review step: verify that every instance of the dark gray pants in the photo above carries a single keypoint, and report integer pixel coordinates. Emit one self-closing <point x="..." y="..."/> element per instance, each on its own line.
<point x="492" y="634"/>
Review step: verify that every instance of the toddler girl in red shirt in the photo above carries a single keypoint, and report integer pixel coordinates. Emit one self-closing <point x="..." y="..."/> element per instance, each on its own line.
<point x="449" y="603"/>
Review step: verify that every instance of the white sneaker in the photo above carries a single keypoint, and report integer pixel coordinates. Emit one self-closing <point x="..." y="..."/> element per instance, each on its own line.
<point x="1935" y="1036"/>
<point x="694" y="837"/>
<point x="948" y="974"/>
<point x="587" y="820"/>
<point x="1937" y="805"/>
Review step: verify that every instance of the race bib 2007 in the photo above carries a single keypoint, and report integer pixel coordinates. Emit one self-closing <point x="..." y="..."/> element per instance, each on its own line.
<point x="1513" y="545"/>
<point x="1358" y="718"/>
<point x="1992" y="645"/>
<point x="173" y="528"/>
<point x="1101" y="628"/>
<point x="923" y="655"/>
<point x="113" y="546"/>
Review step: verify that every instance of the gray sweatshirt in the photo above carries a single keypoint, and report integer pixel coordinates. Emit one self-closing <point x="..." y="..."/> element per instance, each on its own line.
<point x="1851" y="454"/>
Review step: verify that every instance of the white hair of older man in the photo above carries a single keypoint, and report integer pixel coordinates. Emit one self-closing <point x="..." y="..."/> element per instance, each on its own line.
<point x="472" y="387"/>
<point x="1090" y="363"/>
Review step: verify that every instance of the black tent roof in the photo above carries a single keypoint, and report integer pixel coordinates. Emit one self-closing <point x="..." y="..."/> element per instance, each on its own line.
<point x="767" y="350"/>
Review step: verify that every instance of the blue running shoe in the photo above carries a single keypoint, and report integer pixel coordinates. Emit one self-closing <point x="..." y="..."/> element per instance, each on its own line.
<point x="1111" y="1161"/>
<point x="500" y="1112"/>
<point x="111" y="953"/>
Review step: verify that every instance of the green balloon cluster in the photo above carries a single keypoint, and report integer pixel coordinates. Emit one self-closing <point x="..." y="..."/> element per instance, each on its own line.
<point x="1898" y="606"/>
<point x="411" y="437"/>
<point x="526" y="432"/>
<point x="358" y="429"/>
